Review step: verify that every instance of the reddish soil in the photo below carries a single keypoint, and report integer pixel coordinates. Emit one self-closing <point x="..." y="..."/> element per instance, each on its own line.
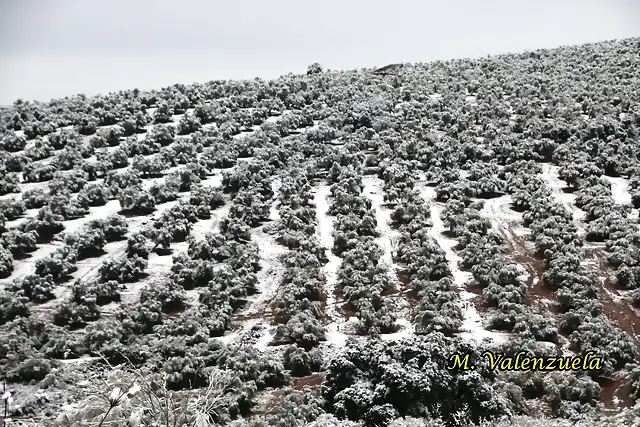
<point x="403" y="276"/>
<point x="617" y="389"/>
<point x="617" y="309"/>
<point x="404" y="290"/>
<point x="621" y="312"/>
<point x="480" y="303"/>
<point x="310" y="381"/>
<point x="539" y="294"/>
<point x="345" y="309"/>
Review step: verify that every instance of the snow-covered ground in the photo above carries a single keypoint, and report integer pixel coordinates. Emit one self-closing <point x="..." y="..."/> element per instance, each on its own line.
<point x="619" y="190"/>
<point x="473" y="328"/>
<point x="271" y="272"/>
<point x="373" y="190"/>
<point x="334" y="330"/>
<point x="30" y="213"/>
<point x="550" y="175"/>
<point x="26" y="266"/>
<point x="87" y="269"/>
<point x="405" y="330"/>
<point x="621" y="195"/>
<point x="97" y="212"/>
<point x="269" y="277"/>
<point x="210" y="225"/>
<point x="503" y="218"/>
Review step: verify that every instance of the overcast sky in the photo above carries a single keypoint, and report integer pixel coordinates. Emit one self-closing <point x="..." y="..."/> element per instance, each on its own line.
<point x="55" y="48"/>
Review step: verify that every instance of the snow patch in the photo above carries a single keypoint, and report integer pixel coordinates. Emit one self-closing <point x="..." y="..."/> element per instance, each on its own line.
<point x="98" y="212"/>
<point x="24" y="267"/>
<point x="131" y="293"/>
<point x="502" y="217"/>
<point x="271" y="271"/>
<point x="274" y="119"/>
<point x="619" y="190"/>
<point x="274" y="213"/>
<point x="472" y="327"/>
<point x="460" y="277"/>
<point x="263" y="342"/>
<point x="405" y="330"/>
<point x="325" y="229"/>
<point x="25" y="186"/>
<point x="30" y="213"/>
<point x="212" y="224"/>
<point x="373" y="190"/>
<point x="550" y="175"/>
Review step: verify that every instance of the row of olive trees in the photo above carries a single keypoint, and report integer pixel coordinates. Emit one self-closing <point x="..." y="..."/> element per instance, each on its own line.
<point x="582" y="314"/>
<point x="361" y="278"/>
<point x="298" y="306"/>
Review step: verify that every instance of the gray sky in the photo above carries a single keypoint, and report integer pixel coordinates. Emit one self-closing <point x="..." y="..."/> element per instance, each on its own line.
<point x="54" y="48"/>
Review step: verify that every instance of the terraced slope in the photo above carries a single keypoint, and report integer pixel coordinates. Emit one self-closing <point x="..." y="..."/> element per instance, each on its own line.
<point x="314" y="248"/>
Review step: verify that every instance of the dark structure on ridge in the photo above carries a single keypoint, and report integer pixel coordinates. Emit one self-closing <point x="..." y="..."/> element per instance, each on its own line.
<point x="387" y="70"/>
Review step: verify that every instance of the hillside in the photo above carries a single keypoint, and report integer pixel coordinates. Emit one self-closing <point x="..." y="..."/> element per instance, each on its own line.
<point x="312" y="250"/>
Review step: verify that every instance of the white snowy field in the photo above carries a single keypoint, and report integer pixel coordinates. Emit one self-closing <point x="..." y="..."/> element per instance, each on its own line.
<point x="87" y="269"/>
<point x="557" y="186"/>
<point x="270" y="275"/>
<point x="387" y="241"/>
<point x="473" y="327"/>
<point x="619" y="190"/>
<point x="504" y="219"/>
<point x="619" y="193"/>
<point x="339" y="330"/>
<point x="335" y="329"/>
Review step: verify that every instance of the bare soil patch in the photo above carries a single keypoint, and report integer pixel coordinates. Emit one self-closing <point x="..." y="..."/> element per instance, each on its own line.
<point x="615" y="394"/>
<point x="310" y="381"/>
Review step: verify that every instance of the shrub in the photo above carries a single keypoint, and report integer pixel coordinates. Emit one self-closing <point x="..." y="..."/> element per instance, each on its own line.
<point x="6" y="262"/>
<point x="59" y="265"/>
<point x="94" y="194"/>
<point x="18" y="242"/>
<point x="136" y="200"/>
<point x="126" y="270"/>
<point x="46" y="223"/>
<point x="35" y="198"/>
<point x="35" y="288"/>
<point x="301" y="362"/>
